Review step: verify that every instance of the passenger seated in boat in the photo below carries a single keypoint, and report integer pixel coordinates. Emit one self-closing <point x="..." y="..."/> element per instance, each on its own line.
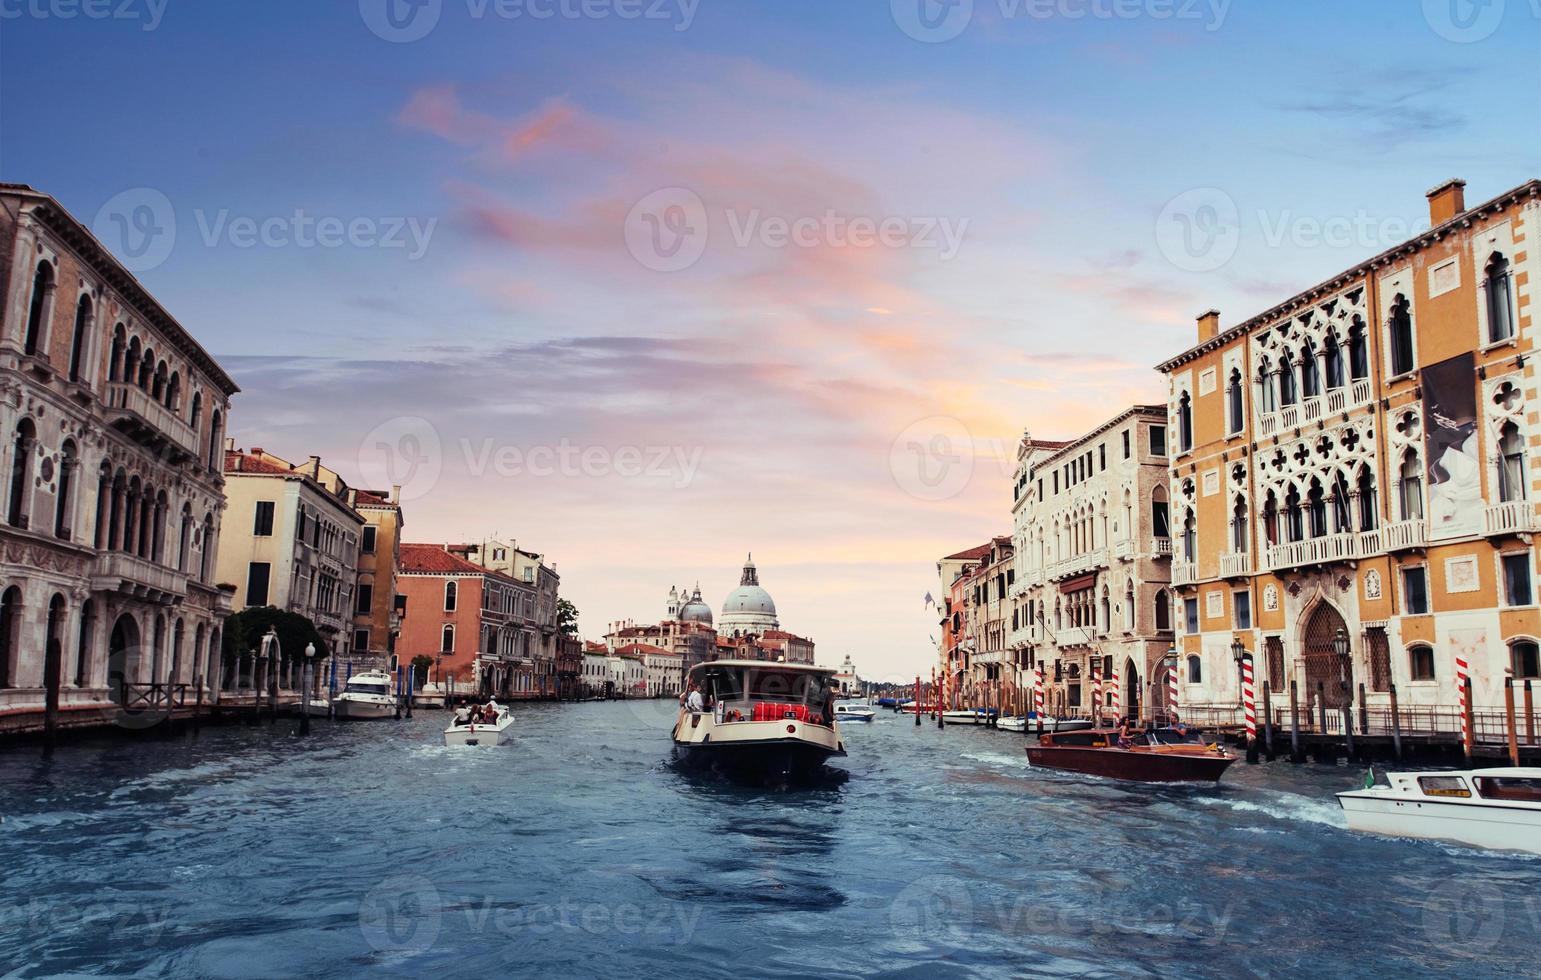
<point x="693" y="701"/>
<point x="462" y="715"/>
<point x="1124" y="741"/>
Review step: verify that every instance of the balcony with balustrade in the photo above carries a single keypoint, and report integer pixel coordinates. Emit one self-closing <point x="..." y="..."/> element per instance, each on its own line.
<point x="1512" y="517"/>
<point x="1075" y="636"/>
<point x="1184" y="572"/>
<point x="1161" y="547"/>
<point x="1314" y="551"/>
<point x="1333" y="401"/>
<point x="1235" y="564"/>
<point x="134" y="412"/>
<point x="1078" y="565"/>
<point x="140" y="578"/>
<point x="1404" y="536"/>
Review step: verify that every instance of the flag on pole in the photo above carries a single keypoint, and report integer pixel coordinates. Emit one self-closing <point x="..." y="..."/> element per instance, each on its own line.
<point x="930" y="601"/>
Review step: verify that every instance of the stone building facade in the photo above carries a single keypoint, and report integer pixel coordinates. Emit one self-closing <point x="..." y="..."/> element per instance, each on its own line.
<point x="1363" y="460"/>
<point x="113" y="418"/>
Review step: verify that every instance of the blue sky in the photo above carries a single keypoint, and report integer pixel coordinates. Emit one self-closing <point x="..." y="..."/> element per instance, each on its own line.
<point x="1062" y="148"/>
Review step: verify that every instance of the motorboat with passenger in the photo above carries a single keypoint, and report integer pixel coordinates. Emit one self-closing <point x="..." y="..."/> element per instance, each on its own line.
<point x="1160" y="756"/>
<point x="854" y="711"/>
<point x="1492" y="808"/>
<point x="475" y="729"/>
<point x="753" y="719"/>
<point x="366" y="697"/>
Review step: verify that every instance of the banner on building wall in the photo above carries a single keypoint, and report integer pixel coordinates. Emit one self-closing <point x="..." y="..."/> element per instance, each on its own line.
<point x="1450" y="447"/>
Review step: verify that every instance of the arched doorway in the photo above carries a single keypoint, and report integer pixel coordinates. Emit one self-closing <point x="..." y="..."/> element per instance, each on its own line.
<point x="10" y="633"/>
<point x="53" y="653"/>
<point x="122" y="656"/>
<point x="1323" y="665"/>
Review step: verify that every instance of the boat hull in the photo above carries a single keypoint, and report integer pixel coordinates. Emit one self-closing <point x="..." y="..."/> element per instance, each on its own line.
<point x="350" y="710"/>
<point x="789" y="759"/>
<point x="1114" y="763"/>
<point x="855" y="715"/>
<point x="1485" y="825"/>
<point x="1049" y="726"/>
<point x="477" y="735"/>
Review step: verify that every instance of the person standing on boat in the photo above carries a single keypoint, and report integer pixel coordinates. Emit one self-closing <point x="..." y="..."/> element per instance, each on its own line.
<point x="694" y="701"/>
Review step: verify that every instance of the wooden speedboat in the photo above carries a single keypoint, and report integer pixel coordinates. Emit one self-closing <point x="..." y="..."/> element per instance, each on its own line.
<point x="496" y="732"/>
<point x="761" y="721"/>
<point x="1493" y="808"/>
<point x="1143" y="757"/>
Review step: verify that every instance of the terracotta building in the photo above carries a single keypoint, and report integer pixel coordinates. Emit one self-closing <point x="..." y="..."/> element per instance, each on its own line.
<point x="1361" y="463"/>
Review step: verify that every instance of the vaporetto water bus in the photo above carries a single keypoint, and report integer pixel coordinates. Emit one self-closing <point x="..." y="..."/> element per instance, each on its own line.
<point x="760" y="720"/>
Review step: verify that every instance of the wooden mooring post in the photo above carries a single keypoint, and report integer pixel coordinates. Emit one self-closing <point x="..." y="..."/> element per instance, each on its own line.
<point x="1348" y="723"/>
<point x="1513" y="730"/>
<point x="1396" y="724"/>
<point x="1468" y="725"/>
<point x="1268" y="721"/>
<point x="1295" y="755"/>
<point x="1321" y="708"/>
<point x="1530" y="717"/>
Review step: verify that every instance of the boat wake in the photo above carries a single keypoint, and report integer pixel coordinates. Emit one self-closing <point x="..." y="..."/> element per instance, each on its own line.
<point x="1282" y="806"/>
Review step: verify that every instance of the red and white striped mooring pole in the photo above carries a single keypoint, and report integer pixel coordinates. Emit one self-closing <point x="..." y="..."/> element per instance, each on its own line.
<point x="1249" y="705"/>
<point x="1462" y="686"/>
<point x="1038" y="690"/>
<point x="1172" y="691"/>
<point x="1111" y="695"/>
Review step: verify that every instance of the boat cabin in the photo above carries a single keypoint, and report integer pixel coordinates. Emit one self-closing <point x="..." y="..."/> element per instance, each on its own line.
<point x="751" y="690"/>
<point x="1497" y="785"/>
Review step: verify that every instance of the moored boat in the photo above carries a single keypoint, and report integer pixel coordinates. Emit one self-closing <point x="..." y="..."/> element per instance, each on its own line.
<point x="761" y="721"/>
<point x="1493" y="808"/>
<point x="366" y="697"/>
<point x="1043" y="724"/>
<point x="1143" y="758"/>
<point x="462" y="731"/>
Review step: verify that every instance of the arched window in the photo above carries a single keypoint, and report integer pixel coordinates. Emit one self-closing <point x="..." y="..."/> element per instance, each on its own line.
<point x="115" y="359"/>
<point x="1184" y="423"/>
<point x="158" y="383"/>
<point x="1271" y="518"/>
<point x="1358" y="354"/>
<point x="174" y="391"/>
<point x="215" y="459"/>
<point x="1287" y="393"/>
<point x="1511" y="464"/>
<point x="1525" y="658"/>
<point x="1239" y="533"/>
<point x="1332" y="361"/>
<point x="1163" y="611"/>
<point x="1318" y="506"/>
<point x="64" y="500"/>
<point x="206" y="556"/>
<point x="21" y="473"/>
<point x="10" y="635"/>
<point x="1369" y="513"/>
<point x="131" y="362"/>
<point x="1411" y="478"/>
<point x="451" y="595"/>
<point x="1105" y="612"/>
<point x="1420" y="662"/>
<point x="185" y="537"/>
<point x="1342" y="522"/>
<point x="197" y="414"/>
<point x="147" y="369"/>
<point x="1294" y="518"/>
<point x="38" y="314"/>
<point x="447" y="640"/>
<point x="79" y="338"/>
<point x="1234" y="402"/>
<point x="1401" y="328"/>
<point x="1190" y="537"/>
<point x="1129" y="606"/>
<point x="1310" y="380"/>
<point x="83" y="645"/>
<point x="1499" y="289"/>
<point x="1266" y="394"/>
<point x="1160" y="519"/>
<point x="1195" y="669"/>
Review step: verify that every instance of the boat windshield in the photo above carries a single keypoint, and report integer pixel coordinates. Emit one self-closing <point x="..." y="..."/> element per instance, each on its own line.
<point x="1519" y="790"/>
<point x="368" y="687"/>
<point x="753" y="693"/>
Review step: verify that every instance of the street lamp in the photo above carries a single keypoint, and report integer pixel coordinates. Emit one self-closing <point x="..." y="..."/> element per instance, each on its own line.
<point x="1239" y="654"/>
<point x="310" y="654"/>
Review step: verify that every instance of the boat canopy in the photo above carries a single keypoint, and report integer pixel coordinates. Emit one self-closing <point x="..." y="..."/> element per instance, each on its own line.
<point x="754" y="680"/>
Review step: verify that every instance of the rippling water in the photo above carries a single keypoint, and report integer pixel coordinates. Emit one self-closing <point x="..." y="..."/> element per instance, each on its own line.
<point x="372" y="849"/>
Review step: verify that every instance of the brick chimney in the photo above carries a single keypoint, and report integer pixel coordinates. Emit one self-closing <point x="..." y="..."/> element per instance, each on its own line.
<point x="1209" y="325"/>
<point x="1446" y="201"/>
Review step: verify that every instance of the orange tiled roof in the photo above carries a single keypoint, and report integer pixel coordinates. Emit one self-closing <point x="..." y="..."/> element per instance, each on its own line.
<point x="432" y="559"/>
<point x="972" y="554"/>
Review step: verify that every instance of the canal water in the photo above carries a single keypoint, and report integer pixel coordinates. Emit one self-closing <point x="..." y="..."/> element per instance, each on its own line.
<point x="371" y="849"/>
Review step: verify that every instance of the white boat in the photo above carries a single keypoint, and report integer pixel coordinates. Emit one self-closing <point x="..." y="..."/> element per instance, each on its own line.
<point x="1493" y="808"/>
<point x="481" y="733"/>
<point x="765" y="721"/>
<point x="854" y="711"/>
<point x="318" y="708"/>
<point x="367" y="696"/>
<point x="967" y="716"/>
<point x="1051" y="726"/>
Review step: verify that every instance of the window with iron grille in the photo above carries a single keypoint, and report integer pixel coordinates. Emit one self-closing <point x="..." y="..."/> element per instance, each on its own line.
<point x="1380" y="658"/>
<point x="1274" y="650"/>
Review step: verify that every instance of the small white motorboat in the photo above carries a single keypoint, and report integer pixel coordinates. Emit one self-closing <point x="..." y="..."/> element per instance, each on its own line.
<point x="967" y="716"/>
<point x="367" y="697"/>
<point x="1492" y="808"/>
<point x="1051" y="726"/>
<point x="319" y="708"/>
<point x="854" y="711"/>
<point x="462" y="732"/>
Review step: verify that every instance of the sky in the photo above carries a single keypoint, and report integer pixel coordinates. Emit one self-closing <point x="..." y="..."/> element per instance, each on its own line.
<point x="647" y="285"/>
